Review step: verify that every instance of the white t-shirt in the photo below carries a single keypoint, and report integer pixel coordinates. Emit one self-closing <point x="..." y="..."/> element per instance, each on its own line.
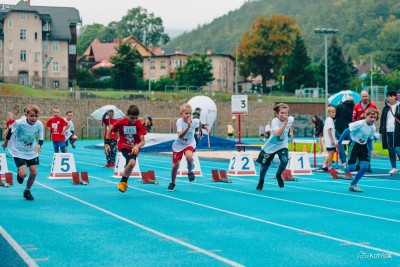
<point x="23" y="139"/>
<point x="68" y="133"/>
<point x="268" y="128"/>
<point x="275" y="143"/>
<point x="188" y="139"/>
<point x="329" y="124"/>
<point x="390" y="121"/>
<point x="360" y="131"/>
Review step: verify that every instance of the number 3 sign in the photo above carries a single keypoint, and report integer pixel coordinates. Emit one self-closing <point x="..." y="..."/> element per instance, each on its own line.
<point x="63" y="166"/>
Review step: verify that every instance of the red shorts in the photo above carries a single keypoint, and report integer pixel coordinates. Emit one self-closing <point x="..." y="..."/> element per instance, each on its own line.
<point x="176" y="156"/>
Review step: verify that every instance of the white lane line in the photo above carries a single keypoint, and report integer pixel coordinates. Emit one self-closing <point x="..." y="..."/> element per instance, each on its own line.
<point x="21" y="252"/>
<point x="173" y="239"/>
<point x="302" y="231"/>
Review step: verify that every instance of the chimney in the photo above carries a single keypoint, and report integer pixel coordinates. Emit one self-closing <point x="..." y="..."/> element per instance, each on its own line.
<point x="209" y="52"/>
<point x="28" y="2"/>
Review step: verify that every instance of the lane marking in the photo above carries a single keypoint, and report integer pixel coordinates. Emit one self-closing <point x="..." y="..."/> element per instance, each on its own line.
<point x="173" y="239"/>
<point x="21" y="252"/>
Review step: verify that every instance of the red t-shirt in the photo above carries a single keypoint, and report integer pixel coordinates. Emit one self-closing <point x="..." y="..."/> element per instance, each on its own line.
<point x="9" y="123"/>
<point x="56" y="126"/>
<point x="108" y="123"/>
<point x="358" y="110"/>
<point x="129" y="133"/>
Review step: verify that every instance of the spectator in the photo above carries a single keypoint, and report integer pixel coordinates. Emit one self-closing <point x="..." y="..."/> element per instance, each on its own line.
<point x="148" y="123"/>
<point x="318" y="132"/>
<point x="390" y="129"/>
<point x="344" y="112"/>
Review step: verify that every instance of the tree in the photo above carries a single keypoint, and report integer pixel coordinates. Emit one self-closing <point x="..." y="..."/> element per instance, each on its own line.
<point x="146" y="27"/>
<point x="265" y="46"/>
<point x="297" y="66"/>
<point x="87" y="35"/>
<point x="196" y="72"/>
<point x="123" y="71"/>
<point x="339" y="73"/>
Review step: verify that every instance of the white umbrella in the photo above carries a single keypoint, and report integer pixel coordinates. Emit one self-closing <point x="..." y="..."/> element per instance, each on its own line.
<point x="98" y="113"/>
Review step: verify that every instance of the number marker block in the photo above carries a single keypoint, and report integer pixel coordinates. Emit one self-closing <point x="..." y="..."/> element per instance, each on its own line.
<point x="183" y="169"/>
<point x="242" y="164"/>
<point x="63" y="166"/>
<point x="299" y="163"/>
<point x="120" y="167"/>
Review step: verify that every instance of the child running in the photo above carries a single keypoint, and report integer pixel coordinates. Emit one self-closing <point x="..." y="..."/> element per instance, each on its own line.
<point x="277" y="144"/>
<point x="184" y="144"/>
<point x="57" y="127"/>
<point x="361" y="134"/>
<point x="131" y="138"/>
<point x="23" y="148"/>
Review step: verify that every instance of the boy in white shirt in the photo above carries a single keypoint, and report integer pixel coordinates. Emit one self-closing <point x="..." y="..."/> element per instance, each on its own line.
<point x="361" y="134"/>
<point x="184" y="144"/>
<point x="70" y="132"/>
<point x="21" y="141"/>
<point x="330" y="141"/>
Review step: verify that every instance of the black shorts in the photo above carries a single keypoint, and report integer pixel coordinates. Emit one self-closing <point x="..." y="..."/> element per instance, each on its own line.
<point x="331" y="149"/>
<point x="125" y="152"/>
<point x="29" y="162"/>
<point x="358" y="151"/>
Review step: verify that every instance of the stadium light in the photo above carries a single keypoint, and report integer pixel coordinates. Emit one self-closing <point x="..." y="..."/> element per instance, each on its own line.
<point x="325" y="33"/>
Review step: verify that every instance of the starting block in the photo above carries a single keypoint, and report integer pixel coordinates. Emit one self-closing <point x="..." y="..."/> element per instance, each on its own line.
<point x="149" y="178"/>
<point x="120" y="167"/>
<point x="220" y="177"/>
<point x="80" y="178"/>
<point x="287" y="176"/>
<point x="8" y="177"/>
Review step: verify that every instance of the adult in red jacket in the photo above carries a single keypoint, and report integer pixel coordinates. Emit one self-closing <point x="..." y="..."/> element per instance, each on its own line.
<point x="360" y="107"/>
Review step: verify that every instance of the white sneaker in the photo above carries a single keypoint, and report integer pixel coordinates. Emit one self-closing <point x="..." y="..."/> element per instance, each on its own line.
<point x="394" y="171"/>
<point x="355" y="188"/>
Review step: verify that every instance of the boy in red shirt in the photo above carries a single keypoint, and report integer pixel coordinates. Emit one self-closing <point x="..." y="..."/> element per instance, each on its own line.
<point x="57" y="127"/>
<point x="131" y="138"/>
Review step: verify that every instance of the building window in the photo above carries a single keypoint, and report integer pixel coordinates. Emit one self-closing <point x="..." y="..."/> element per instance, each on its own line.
<point x="10" y="23"/>
<point x="1" y="45"/>
<point x="72" y="49"/>
<point x="22" y="16"/>
<point x="56" y="84"/>
<point x="36" y="75"/>
<point x="36" y="35"/>
<point x="37" y="55"/>
<point x="22" y="55"/>
<point x="45" y="46"/>
<point x="36" y="17"/>
<point x="56" y="46"/>
<point x="56" y="66"/>
<point x="1" y="65"/>
<point x="22" y="34"/>
<point x="10" y="65"/>
<point x="10" y="45"/>
<point x="162" y="64"/>
<point x="152" y="65"/>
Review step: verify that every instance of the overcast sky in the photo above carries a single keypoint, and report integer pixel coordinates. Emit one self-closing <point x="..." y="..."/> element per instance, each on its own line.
<point x="176" y="14"/>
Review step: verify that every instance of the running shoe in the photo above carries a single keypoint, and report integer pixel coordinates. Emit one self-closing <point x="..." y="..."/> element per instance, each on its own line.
<point x="355" y="188"/>
<point x="191" y="177"/>
<point x="171" y="187"/>
<point x="122" y="186"/>
<point x="28" y="195"/>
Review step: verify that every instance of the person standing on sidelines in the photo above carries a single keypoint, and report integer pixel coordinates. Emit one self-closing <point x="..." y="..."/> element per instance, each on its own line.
<point x="131" y="134"/>
<point x="319" y="132"/>
<point x="330" y="141"/>
<point x="277" y="144"/>
<point x="21" y="142"/>
<point x="344" y="112"/>
<point x="70" y="132"/>
<point x="108" y="120"/>
<point x="57" y="127"/>
<point x="9" y="122"/>
<point x="361" y="134"/>
<point x="390" y="128"/>
<point x="184" y="144"/>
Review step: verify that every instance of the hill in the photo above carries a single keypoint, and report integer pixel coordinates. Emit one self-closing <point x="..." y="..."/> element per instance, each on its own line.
<point x="364" y="26"/>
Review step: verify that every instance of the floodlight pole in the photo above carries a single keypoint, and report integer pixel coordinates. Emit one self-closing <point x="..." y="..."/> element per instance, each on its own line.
<point x="325" y="32"/>
<point x="236" y="70"/>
